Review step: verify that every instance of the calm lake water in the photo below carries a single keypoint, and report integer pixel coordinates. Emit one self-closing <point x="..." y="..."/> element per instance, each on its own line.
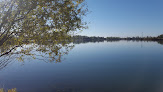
<point x="92" y="67"/>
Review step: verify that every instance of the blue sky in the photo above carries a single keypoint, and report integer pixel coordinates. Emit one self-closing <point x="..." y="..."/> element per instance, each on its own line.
<point x="124" y="18"/>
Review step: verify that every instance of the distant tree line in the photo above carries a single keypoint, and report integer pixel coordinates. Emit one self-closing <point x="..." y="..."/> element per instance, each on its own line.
<point x="86" y="39"/>
<point x="160" y="36"/>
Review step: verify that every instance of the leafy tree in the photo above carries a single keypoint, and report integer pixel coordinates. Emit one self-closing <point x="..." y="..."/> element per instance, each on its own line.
<point x="160" y="36"/>
<point x="39" y="21"/>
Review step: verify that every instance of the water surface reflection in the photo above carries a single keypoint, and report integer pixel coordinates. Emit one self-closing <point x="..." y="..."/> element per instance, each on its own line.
<point x="92" y="67"/>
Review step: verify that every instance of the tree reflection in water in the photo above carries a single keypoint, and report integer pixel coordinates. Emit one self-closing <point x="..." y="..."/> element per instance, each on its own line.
<point x="48" y="51"/>
<point x="160" y="42"/>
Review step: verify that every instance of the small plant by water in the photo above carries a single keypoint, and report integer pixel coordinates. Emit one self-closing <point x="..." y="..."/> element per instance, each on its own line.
<point x="9" y="90"/>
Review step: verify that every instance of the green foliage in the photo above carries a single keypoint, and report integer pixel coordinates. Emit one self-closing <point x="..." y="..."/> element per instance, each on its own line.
<point x="160" y="36"/>
<point x="46" y="24"/>
<point x="38" y="19"/>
